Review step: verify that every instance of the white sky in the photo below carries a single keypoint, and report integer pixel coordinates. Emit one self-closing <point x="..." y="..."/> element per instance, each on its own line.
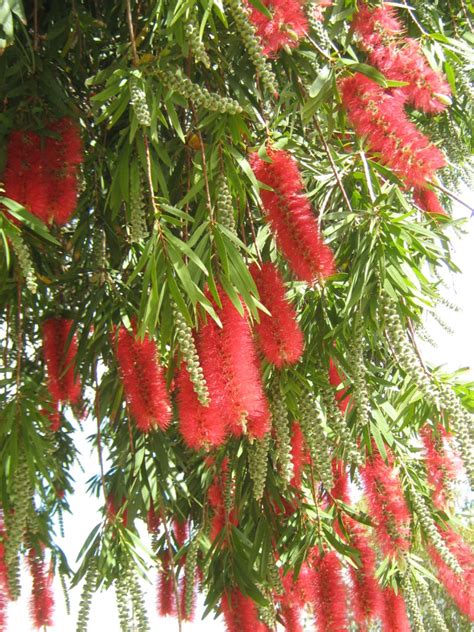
<point x="454" y="350"/>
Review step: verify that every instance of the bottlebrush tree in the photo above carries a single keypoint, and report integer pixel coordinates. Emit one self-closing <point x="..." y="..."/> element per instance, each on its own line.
<point x="222" y="225"/>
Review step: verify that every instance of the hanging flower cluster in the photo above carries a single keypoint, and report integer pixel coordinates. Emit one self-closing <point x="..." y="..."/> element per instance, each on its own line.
<point x="285" y="27"/>
<point x="41" y="172"/>
<point x="60" y="350"/>
<point x="394" y="612"/>
<point x="279" y="336"/>
<point x="42" y="598"/>
<point x="442" y="463"/>
<point x="240" y="612"/>
<point x="143" y="380"/>
<point x="230" y="367"/>
<point x="291" y="218"/>
<point x="379" y="113"/>
<point x="329" y="593"/>
<point x="387" y="504"/>
<point x="380" y="35"/>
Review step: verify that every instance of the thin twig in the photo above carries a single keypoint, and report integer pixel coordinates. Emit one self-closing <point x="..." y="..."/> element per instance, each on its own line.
<point x="452" y="195"/>
<point x="99" y="434"/>
<point x="367" y="176"/>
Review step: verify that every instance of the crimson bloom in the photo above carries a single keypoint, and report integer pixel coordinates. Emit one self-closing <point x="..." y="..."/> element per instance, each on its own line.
<point x="60" y="350"/>
<point x="394" y="613"/>
<point x="279" y="336"/>
<point x="291" y="218"/>
<point x="42" y="599"/>
<point x="329" y="594"/>
<point x="240" y="612"/>
<point x="143" y="381"/>
<point x="428" y="201"/>
<point x="285" y="27"/>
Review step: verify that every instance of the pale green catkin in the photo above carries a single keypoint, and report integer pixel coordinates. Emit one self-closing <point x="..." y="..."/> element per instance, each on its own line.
<point x="429" y="526"/>
<point x="258" y="464"/>
<point x="225" y="207"/>
<point x="336" y="420"/>
<point x="431" y="608"/>
<point x="228" y="491"/>
<point x="139" y="103"/>
<point x="442" y="323"/>
<point x="360" y="393"/>
<point x="318" y="27"/>
<point x="25" y="261"/>
<point x="274" y="576"/>
<point x="17" y="522"/>
<point x="267" y="614"/>
<point x="88" y="589"/>
<point x="138" y="601"/>
<point x="190" y="575"/>
<point x="138" y="226"/>
<point x="189" y="352"/>
<point x="413" y="606"/>
<point x="196" y="46"/>
<point x="281" y="428"/>
<point x="67" y="601"/>
<point x="311" y="424"/>
<point x="198" y="94"/>
<point x="122" y="600"/>
<point x="439" y="395"/>
<point x="252" y="44"/>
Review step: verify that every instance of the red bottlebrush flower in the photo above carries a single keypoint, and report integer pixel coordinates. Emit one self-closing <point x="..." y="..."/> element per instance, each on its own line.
<point x="379" y="115"/>
<point x="166" y="593"/>
<point x="376" y="27"/>
<point x="441" y="463"/>
<point x="318" y="9"/>
<point x="394" y="613"/>
<point x="291" y="618"/>
<point x="335" y="379"/>
<point x="112" y="508"/>
<point x="291" y="217"/>
<point x="143" y="381"/>
<point x="459" y="587"/>
<point x="365" y="590"/>
<point x="180" y="529"/>
<point x="201" y="426"/>
<point x="279" y="336"/>
<point x="153" y="519"/>
<point x="340" y="488"/>
<point x="230" y="365"/>
<point x="240" y="613"/>
<point x="329" y="595"/>
<point x="428" y="201"/>
<point x="60" y="349"/>
<point x="299" y="454"/>
<point x="3" y="612"/>
<point x="387" y="504"/>
<point x="42" y="599"/>
<point x="287" y="25"/>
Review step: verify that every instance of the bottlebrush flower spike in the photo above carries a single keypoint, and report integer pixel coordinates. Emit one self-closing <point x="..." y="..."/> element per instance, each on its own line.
<point x="366" y="595"/>
<point x="377" y="26"/>
<point x="291" y="217"/>
<point x="42" y="599"/>
<point x="240" y="612"/>
<point x="60" y="350"/>
<point x="387" y="504"/>
<point x="287" y="25"/>
<point x="180" y="529"/>
<point x="329" y="594"/>
<point x="335" y="379"/>
<point x="380" y="116"/>
<point x="442" y="464"/>
<point x="428" y="201"/>
<point x="459" y="587"/>
<point x="143" y="381"/>
<point x="201" y="426"/>
<point x="291" y="616"/>
<point x="230" y="366"/>
<point x="299" y="454"/>
<point x="394" y="613"/>
<point x="279" y="336"/>
<point x="182" y="599"/>
<point x="166" y="594"/>
<point x="340" y="488"/>
<point x="153" y="519"/>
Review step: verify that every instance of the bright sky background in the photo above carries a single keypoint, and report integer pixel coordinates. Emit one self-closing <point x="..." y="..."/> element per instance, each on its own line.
<point x="455" y="350"/>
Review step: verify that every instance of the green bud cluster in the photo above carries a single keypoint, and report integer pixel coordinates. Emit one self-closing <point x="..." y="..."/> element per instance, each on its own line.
<point x="138" y="227"/>
<point x="311" y="423"/>
<point x="122" y="601"/>
<point x="429" y="526"/>
<point x="190" y="575"/>
<point x="413" y="606"/>
<point x="442" y="323"/>
<point x="441" y="396"/>
<point x="228" y="492"/>
<point x="267" y="614"/>
<point x="195" y="43"/>
<point x="319" y="29"/>
<point x="138" y="601"/>
<point x="139" y="104"/>
<point x="17" y="523"/>
<point x="424" y="334"/>
<point x="444" y="301"/>
<point x="25" y="261"/>
<point x="337" y="422"/>
<point x="200" y="95"/>
<point x="274" y="576"/>
<point x="225" y="207"/>
<point x="360" y="393"/>
<point x="432" y="609"/>
<point x="258" y="464"/>
<point x="464" y="81"/>
<point x="252" y="44"/>
<point x="88" y="589"/>
<point x="67" y="601"/>
<point x="281" y="429"/>
<point x="190" y="356"/>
